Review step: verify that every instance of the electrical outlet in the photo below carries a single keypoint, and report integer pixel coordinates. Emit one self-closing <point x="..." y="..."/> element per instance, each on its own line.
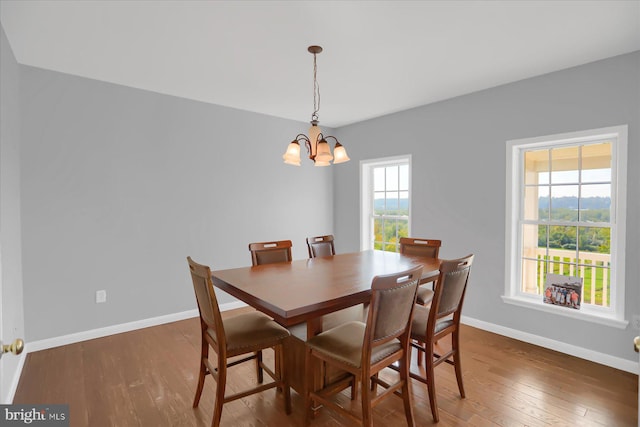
<point x="635" y="322"/>
<point x="101" y="296"/>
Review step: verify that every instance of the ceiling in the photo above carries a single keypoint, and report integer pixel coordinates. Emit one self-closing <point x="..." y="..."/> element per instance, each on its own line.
<point x="379" y="56"/>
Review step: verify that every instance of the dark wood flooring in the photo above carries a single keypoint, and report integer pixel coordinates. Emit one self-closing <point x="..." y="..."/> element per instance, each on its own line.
<point x="148" y="377"/>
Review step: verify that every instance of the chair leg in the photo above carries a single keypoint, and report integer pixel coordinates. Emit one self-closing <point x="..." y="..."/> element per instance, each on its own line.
<point x="420" y="354"/>
<point x="457" y="364"/>
<point x="367" y="416"/>
<point x="259" y="367"/>
<point x="222" y="383"/>
<point x="354" y="389"/>
<point x="204" y="353"/>
<point x="407" y="398"/>
<point x="431" y="384"/>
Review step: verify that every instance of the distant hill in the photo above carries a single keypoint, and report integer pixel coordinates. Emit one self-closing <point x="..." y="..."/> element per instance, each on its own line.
<point x="379" y="204"/>
<point x="543" y="203"/>
<point x="572" y="202"/>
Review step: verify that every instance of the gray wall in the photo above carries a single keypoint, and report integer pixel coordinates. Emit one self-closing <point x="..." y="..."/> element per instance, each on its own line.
<point x="458" y="155"/>
<point x="12" y="321"/>
<point x="119" y="185"/>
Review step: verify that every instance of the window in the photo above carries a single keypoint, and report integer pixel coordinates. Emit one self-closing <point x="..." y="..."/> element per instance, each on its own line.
<point x="566" y="215"/>
<point x="386" y="202"/>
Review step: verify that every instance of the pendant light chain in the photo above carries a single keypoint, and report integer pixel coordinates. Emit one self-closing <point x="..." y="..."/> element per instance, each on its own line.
<point x="316" y="90"/>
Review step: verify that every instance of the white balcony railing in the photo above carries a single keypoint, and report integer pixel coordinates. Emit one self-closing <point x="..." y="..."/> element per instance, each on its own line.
<point x="565" y="262"/>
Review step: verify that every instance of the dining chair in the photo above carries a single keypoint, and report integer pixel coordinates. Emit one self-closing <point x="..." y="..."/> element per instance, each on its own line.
<point x="431" y="324"/>
<point x="243" y="335"/>
<point x="425" y="248"/>
<point x="270" y="252"/>
<point x="364" y="349"/>
<point x="320" y="246"/>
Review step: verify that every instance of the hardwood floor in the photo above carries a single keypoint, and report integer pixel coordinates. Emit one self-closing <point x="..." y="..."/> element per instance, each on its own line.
<point x="148" y="378"/>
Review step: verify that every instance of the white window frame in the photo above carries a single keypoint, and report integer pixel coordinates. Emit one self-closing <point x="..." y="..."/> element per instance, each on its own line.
<point x="614" y="314"/>
<point x="366" y="195"/>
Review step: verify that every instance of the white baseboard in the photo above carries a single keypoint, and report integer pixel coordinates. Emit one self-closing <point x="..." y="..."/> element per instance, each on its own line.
<point x="117" y="329"/>
<point x="583" y="353"/>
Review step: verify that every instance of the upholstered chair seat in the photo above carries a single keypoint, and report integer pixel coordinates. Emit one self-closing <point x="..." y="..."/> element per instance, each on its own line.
<point x="251" y="331"/>
<point x="362" y="350"/>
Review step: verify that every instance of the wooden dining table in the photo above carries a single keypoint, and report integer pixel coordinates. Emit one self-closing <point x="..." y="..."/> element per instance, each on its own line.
<point x="301" y="293"/>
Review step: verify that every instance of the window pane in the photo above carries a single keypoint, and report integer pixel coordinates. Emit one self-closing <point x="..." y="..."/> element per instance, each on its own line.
<point x="536" y="203"/>
<point x="533" y="274"/>
<point x="404" y="177"/>
<point x="403" y="228"/>
<point x="563" y="237"/>
<point x="596" y="287"/>
<point x="596" y="175"/>
<point x="404" y="203"/>
<point x="595" y="203"/>
<point x="594" y="245"/>
<point x="378" y="179"/>
<point x="392" y="202"/>
<point x="595" y="240"/>
<point x="378" y="203"/>
<point x="392" y="178"/>
<point x="564" y="203"/>
<point x="532" y="236"/>
<point x="596" y="162"/>
<point x="536" y="169"/>
<point x="378" y="227"/>
<point x="562" y="263"/>
<point x="564" y="165"/>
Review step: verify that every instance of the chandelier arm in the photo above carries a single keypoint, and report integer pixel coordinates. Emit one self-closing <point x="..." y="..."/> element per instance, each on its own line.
<point x="307" y="143"/>
<point x="332" y="137"/>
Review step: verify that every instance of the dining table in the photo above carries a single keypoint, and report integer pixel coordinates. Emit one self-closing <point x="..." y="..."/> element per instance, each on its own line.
<point x="306" y="295"/>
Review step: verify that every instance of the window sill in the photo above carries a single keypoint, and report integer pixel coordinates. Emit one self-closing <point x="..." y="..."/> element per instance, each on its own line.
<point x="561" y="311"/>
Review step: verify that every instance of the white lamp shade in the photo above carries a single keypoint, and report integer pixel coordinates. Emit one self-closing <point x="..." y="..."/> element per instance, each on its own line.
<point x="340" y="154"/>
<point x="324" y="153"/>
<point x="319" y="163"/>
<point x="292" y="155"/>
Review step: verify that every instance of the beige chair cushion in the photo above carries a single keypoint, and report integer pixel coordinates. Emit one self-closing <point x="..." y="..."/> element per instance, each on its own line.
<point x="419" y="323"/>
<point x="424" y="295"/>
<point x="251" y="330"/>
<point x="344" y="343"/>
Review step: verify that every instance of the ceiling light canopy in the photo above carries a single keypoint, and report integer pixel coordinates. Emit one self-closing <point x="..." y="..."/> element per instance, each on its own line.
<point x="316" y="143"/>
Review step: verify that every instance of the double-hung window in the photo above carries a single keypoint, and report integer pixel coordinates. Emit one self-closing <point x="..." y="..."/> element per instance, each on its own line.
<point x="566" y="199"/>
<point x="386" y="202"/>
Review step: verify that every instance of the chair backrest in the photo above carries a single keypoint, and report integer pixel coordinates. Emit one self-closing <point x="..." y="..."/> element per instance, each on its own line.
<point x="391" y="308"/>
<point x="450" y="289"/>
<point x="207" y="302"/>
<point x="421" y="247"/>
<point x="270" y="252"/>
<point x="320" y="246"/>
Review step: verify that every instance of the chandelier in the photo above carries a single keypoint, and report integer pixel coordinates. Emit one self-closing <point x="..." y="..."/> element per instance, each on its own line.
<point x="316" y="143"/>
